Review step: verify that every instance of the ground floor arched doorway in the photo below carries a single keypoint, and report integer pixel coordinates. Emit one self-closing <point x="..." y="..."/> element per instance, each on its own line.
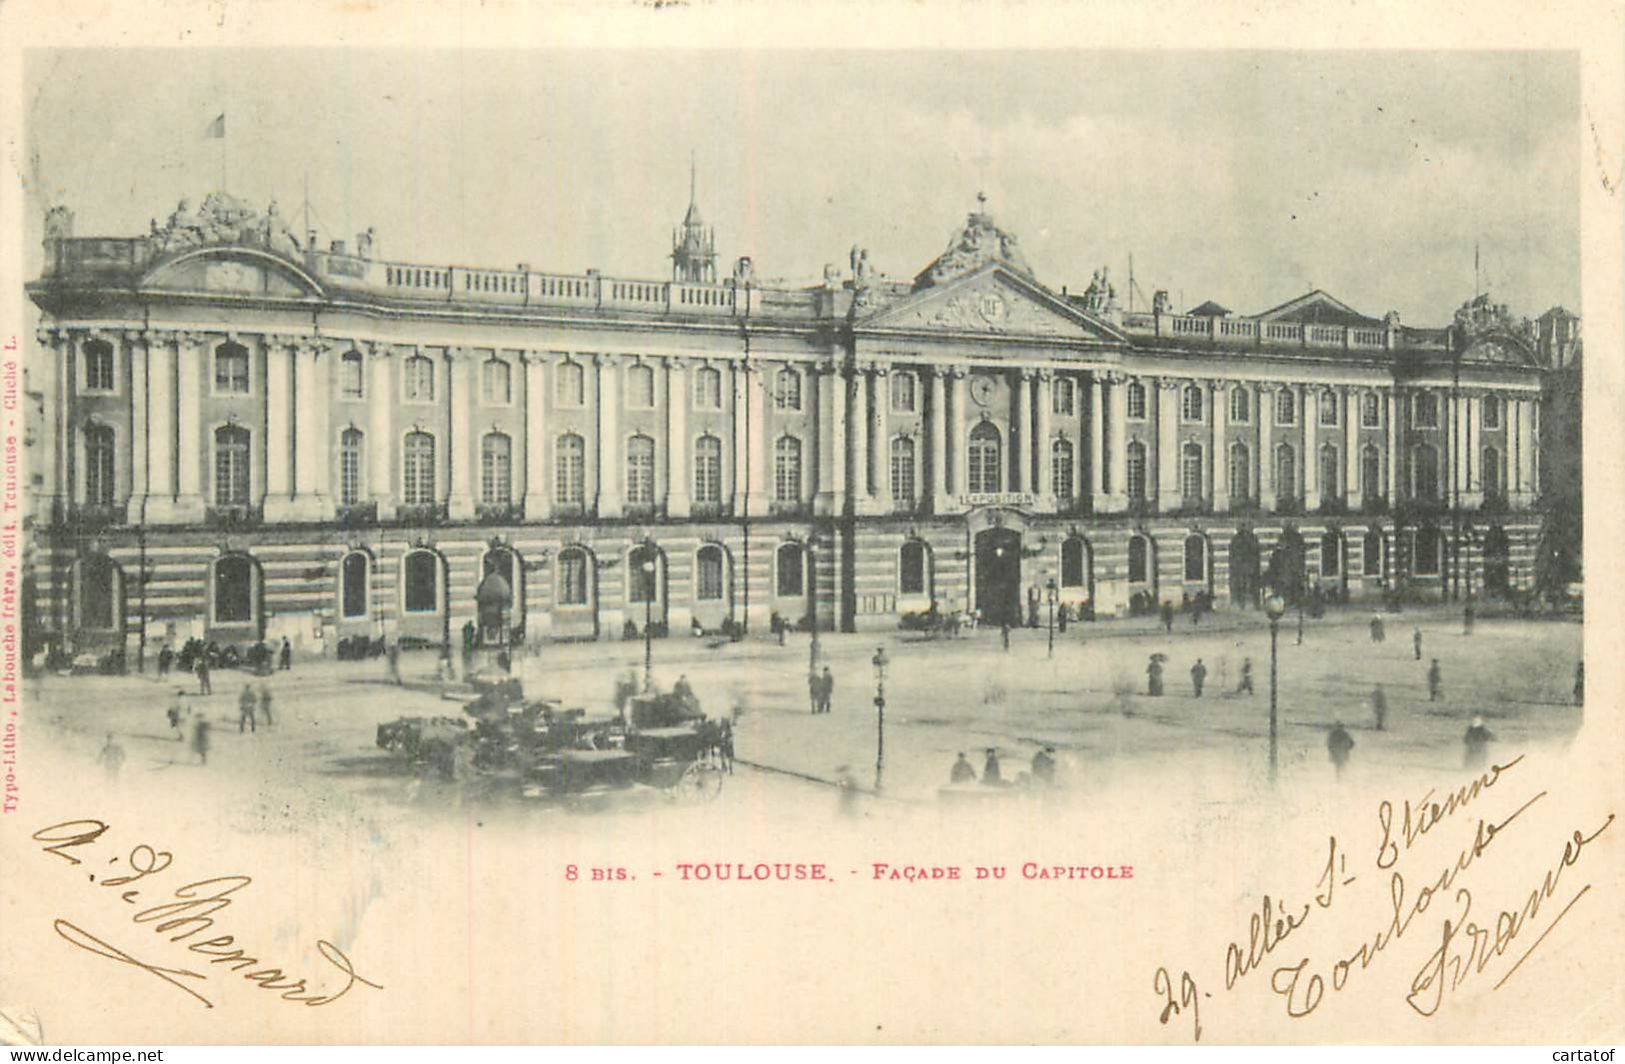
<point x="998" y="576"/>
<point x="1286" y="568"/>
<point x="1244" y="569"/>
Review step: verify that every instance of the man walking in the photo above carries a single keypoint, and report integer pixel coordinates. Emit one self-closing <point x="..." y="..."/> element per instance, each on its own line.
<point x="1467" y="618"/>
<point x="285" y="660"/>
<point x="1338" y="745"/>
<point x="1379" y="706"/>
<point x="826" y="690"/>
<point x="1376" y="628"/>
<point x="815" y="688"/>
<point x="203" y="685"/>
<point x="245" y="709"/>
<point x="1168" y="617"/>
<point x="1246" y="686"/>
<point x="1198" y="677"/>
<point x="200" y="739"/>
<point x="265" y="703"/>
<point x="1153" y="676"/>
<point x="1416" y="641"/>
<point x="1004" y="634"/>
<point x="1477" y="744"/>
<point x="1435" y="682"/>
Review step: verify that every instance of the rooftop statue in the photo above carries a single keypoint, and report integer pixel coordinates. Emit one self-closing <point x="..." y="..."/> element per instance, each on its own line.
<point x="978" y="243"/>
<point x="223" y="219"/>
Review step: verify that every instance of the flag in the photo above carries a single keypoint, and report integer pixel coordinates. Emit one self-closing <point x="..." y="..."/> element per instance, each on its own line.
<point x="217" y="128"/>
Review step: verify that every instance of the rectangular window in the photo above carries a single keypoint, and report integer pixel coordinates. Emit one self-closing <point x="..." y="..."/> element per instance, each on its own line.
<point x="1370" y="411"/>
<point x="904" y="392"/>
<point x="496" y="379"/>
<point x="573" y="579"/>
<point x="98" y="357"/>
<point x="1328" y="410"/>
<point x="351" y="373"/>
<point x="1425" y="411"/>
<point x="710" y="578"/>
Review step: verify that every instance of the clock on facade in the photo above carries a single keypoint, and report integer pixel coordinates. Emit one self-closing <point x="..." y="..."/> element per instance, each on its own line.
<point x="981" y="390"/>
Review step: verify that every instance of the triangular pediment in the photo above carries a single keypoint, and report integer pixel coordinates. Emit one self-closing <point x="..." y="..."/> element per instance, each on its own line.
<point x="990" y="302"/>
<point x="1318" y="308"/>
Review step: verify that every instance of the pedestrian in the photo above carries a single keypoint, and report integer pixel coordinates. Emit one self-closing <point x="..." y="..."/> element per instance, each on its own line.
<point x="1379" y="706"/>
<point x="285" y="659"/>
<point x="1062" y="616"/>
<point x="1376" y="628"/>
<point x="1044" y="766"/>
<point x="174" y="715"/>
<point x="166" y="658"/>
<point x="815" y="688"/>
<point x="1032" y="606"/>
<point x="393" y="655"/>
<point x="1338" y="745"/>
<point x="1153" y="676"/>
<point x="111" y="757"/>
<point x="1477" y="744"/>
<point x="991" y="776"/>
<point x="826" y="690"/>
<point x="200" y="739"/>
<point x="1004" y="633"/>
<point x="245" y="709"/>
<point x="1168" y="616"/>
<point x="813" y="651"/>
<point x="728" y="747"/>
<point x="1416" y="641"/>
<point x="962" y="772"/>
<point x="1246" y="686"/>
<point x="265" y="703"/>
<point x="1435" y="682"/>
<point x="203" y="685"/>
<point x="1467" y="618"/>
<point x="1198" y="677"/>
<point x="1580" y="682"/>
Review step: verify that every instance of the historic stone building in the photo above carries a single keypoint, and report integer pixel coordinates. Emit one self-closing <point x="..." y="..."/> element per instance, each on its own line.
<point x="251" y="437"/>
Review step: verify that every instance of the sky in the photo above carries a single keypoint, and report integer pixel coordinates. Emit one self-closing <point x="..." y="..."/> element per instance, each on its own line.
<point x="1246" y="178"/>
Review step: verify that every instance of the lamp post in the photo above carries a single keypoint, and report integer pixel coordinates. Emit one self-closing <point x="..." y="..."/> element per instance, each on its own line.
<point x="1274" y="608"/>
<point x="648" y="568"/>
<point x="880" y="663"/>
<point x="1050" y="593"/>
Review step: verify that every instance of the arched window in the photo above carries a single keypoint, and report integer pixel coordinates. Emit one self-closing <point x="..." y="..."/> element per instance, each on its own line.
<point x="640" y="386"/>
<point x="1286" y="406"/>
<point x="569" y="468"/>
<point x="354" y="572"/>
<point x="1490" y="472"/>
<point x="234" y="589"/>
<point x="1241" y="404"/>
<point x="1241" y="473"/>
<point x="418" y="376"/>
<point x="1330" y="468"/>
<point x="1060" y="468"/>
<point x="570" y="384"/>
<point x="1425" y="410"/>
<point x="1370" y="411"/>
<point x="1424" y="472"/>
<point x="231" y="369"/>
<point x="645" y="568"/>
<point x="902" y="471"/>
<point x="1139" y="560"/>
<point x="1136" y="470"/>
<point x="787" y="389"/>
<point x="1370" y="472"/>
<point x="1190" y="473"/>
<point x="1286" y="472"/>
<point x="1331" y="554"/>
<point x="913" y="569"/>
<point x="1074" y="562"/>
<point x="707" y="388"/>
<point x="1492" y="412"/>
<point x="351" y="374"/>
<point x="100" y="465"/>
<point x="1328" y="409"/>
<point x="1136" y="400"/>
<point x="904" y="392"/>
<point x="1192" y="402"/>
<point x="496" y="469"/>
<point x="351" y="459"/>
<point x="231" y="466"/>
<point x="99" y="589"/>
<point x="1371" y="553"/>
<point x="1064" y="402"/>
<point x="496" y="382"/>
<point x="420" y="582"/>
<point x="575" y="577"/>
<point x="708" y="470"/>
<point x="788" y="560"/>
<point x="417" y="480"/>
<point x="984" y="458"/>
<point x="98" y="356"/>
<point x="787" y="470"/>
<point x="709" y="569"/>
<point x="1428" y="544"/>
<point x="640" y="471"/>
<point x="1195" y="559"/>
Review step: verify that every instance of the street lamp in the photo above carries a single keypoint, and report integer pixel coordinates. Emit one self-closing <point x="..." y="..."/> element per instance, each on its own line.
<point x="880" y="663"/>
<point x="1051" y="593"/>
<point x="648" y="568"/>
<point x="1274" y="608"/>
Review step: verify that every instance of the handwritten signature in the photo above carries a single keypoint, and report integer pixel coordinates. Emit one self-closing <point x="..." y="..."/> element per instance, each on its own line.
<point x="1465" y="944"/>
<point x="189" y="912"/>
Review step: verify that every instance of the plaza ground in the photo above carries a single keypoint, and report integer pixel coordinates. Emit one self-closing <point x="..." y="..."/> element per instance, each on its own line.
<point x="942" y="696"/>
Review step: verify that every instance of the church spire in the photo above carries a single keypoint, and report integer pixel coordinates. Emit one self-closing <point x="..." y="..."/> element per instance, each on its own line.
<point x="694" y="247"/>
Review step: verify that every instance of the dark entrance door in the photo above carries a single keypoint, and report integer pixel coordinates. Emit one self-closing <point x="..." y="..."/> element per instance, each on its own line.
<point x="1244" y="582"/>
<point x="1497" y="562"/>
<point x="1285" y="576"/>
<point x="998" y="576"/>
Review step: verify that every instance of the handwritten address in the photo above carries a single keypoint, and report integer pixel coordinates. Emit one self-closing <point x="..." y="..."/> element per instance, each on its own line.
<point x="1465" y="942"/>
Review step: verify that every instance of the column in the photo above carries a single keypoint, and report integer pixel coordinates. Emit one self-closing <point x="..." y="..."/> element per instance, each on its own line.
<point x="459" y="396"/>
<point x="761" y="454"/>
<point x="1097" y="444"/>
<point x="1117" y="499"/>
<point x="1044" y="484"/>
<point x="538" y="504"/>
<point x="859" y="420"/>
<point x="1457" y="432"/>
<point x="1022" y="448"/>
<point x="741" y="442"/>
<point x="1392" y="410"/>
<point x="1534" y="450"/>
<point x="278" y="427"/>
<point x="939" y="441"/>
<point x="831" y="441"/>
<point x="135" y="351"/>
<point x="190" y="351"/>
<point x="312" y="449"/>
<point x="160" y="427"/>
<point x="1221" y="448"/>
<point x="677" y="472"/>
<point x="1351" y="447"/>
<point x="956" y="435"/>
<point x="1472" y="418"/>
<point x="1265" y="408"/>
<point x="880" y="410"/>
<point x="1311" y="451"/>
<point x="1526" y="451"/>
<point x="1168" y="494"/>
<point x="381" y="435"/>
<point x="609" y="436"/>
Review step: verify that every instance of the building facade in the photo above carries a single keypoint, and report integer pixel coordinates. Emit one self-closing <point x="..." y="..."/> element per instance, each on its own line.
<point x="249" y="437"/>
